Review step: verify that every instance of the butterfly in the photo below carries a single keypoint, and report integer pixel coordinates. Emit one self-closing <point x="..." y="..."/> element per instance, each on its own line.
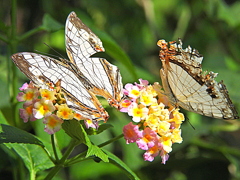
<point x="188" y="87"/>
<point x="82" y="77"/>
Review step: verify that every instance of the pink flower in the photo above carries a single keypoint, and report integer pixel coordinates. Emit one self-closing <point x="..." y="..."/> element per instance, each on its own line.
<point x="24" y="87"/>
<point x="29" y="94"/>
<point x="124" y="105"/>
<point x="164" y="157"/>
<point x="91" y="123"/>
<point x="131" y="91"/>
<point x="143" y="84"/>
<point x="53" y="124"/>
<point x="27" y="113"/>
<point x="148" y="140"/>
<point x="131" y="133"/>
<point x="151" y="153"/>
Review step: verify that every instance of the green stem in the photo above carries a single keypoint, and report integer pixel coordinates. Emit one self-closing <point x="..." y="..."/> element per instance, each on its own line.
<point x="30" y="33"/>
<point x="79" y="158"/>
<point x="48" y="154"/>
<point x="54" y="147"/>
<point x="111" y="140"/>
<point x="215" y="147"/>
<point x="12" y="70"/>
<point x="61" y="162"/>
<point x="32" y="175"/>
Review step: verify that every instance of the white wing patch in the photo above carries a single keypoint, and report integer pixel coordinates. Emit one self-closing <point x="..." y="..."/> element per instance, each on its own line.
<point x="81" y="43"/>
<point x="189" y="88"/>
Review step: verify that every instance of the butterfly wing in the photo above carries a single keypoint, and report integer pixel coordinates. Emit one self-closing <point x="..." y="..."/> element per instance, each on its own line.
<point x="81" y="43"/>
<point x="188" y="87"/>
<point x="43" y="69"/>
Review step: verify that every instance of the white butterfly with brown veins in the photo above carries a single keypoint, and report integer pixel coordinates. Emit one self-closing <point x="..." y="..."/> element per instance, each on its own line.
<point x="186" y="85"/>
<point x="81" y="77"/>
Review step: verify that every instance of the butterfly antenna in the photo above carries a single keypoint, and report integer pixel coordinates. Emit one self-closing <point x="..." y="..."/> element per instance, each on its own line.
<point x="60" y="55"/>
<point x="189" y="122"/>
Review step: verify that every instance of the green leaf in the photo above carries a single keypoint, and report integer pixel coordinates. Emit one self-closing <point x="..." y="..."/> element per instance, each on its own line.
<point x="75" y="130"/>
<point x="50" y="24"/>
<point x="2" y="119"/>
<point x="92" y="149"/>
<point x="117" y="162"/>
<point x="10" y="134"/>
<point x="229" y="14"/>
<point x="102" y="127"/>
<point x="34" y="158"/>
<point x="96" y="151"/>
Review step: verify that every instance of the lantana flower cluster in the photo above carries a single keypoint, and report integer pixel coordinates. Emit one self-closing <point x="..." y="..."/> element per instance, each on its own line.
<point x="47" y="104"/>
<point x="156" y="122"/>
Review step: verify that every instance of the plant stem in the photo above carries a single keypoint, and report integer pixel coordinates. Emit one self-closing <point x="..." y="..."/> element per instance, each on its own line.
<point x="215" y="147"/>
<point x="111" y="140"/>
<point x="61" y="162"/>
<point x="12" y="70"/>
<point x="54" y="147"/>
<point x="30" y="33"/>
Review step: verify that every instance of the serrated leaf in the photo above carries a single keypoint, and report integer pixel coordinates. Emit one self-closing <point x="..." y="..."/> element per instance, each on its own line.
<point x="10" y="134"/>
<point x="34" y="158"/>
<point x="94" y="150"/>
<point x="50" y="24"/>
<point x="117" y="162"/>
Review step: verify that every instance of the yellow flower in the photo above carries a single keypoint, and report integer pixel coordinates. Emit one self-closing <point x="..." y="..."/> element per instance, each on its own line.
<point x="49" y="95"/>
<point x="176" y="136"/>
<point x="151" y="90"/>
<point x="65" y="112"/>
<point x="43" y="108"/>
<point x="152" y="121"/>
<point x="163" y="128"/>
<point x="138" y="112"/>
<point x="167" y="144"/>
<point x="147" y="99"/>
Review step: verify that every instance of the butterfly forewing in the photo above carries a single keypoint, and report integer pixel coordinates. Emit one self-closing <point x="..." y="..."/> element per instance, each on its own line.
<point x="43" y="69"/>
<point x="81" y="43"/>
<point x="187" y="87"/>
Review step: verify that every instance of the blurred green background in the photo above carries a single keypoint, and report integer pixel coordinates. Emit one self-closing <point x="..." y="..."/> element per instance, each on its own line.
<point x="130" y="30"/>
